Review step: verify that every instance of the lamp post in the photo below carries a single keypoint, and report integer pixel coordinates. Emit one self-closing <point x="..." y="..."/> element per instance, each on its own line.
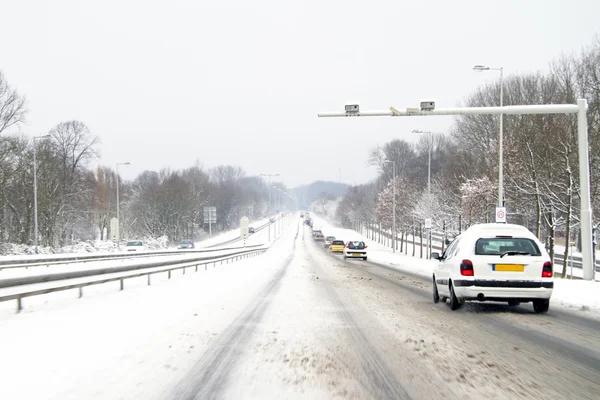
<point x="269" y="211"/>
<point x="429" y="206"/>
<point x="35" y="218"/>
<point x="481" y="68"/>
<point x="394" y="238"/>
<point x="118" y="235"/>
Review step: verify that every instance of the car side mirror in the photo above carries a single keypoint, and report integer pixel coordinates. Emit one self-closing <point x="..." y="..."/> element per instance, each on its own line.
<point x="435" y="256"/>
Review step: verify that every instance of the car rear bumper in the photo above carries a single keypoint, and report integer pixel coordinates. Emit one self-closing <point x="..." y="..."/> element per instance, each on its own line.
<point x="355" y="255"/>
<point x="336" y="250"/>
<point x="496" y="290"/>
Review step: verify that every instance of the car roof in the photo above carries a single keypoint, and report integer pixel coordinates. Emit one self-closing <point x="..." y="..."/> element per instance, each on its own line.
<point x="497" y="229"/>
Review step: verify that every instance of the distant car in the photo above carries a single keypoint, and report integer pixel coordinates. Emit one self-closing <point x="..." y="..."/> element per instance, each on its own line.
<point x="186" y="244"/>
<point x="494" y="262"/>
<point x="337" y="246"/>
<point x="316" y="232"/>
<point x="319" y="237"/>
<point x="355" y="249"/>
<point x="250" y="229"/>
<point x="328" y="241"/>
<point x="135" y="246"/>
<point x="272" y="219"/>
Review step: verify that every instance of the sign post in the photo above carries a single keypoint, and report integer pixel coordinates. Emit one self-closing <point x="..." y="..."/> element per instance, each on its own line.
<point x="428" y="228"/>
<point x="114" y="230"/>
<point x="210" y="217"/>
<point x="244" y="223"/>
<point x="501" y="215"/>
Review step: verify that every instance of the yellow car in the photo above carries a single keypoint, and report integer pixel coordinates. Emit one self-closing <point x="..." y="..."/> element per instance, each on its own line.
<point x="337" y="246"/>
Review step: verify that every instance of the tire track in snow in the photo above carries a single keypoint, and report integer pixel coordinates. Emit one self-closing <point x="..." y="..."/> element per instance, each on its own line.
<point x="382" y="383"/>
<point x="577" y="359"/>
<point x="209" y="377"/>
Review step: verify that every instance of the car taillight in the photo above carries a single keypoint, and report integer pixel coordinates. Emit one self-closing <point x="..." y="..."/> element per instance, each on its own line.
<point x="348" y="246"/>
<point x="466" y="268"/>
<point x="547" y="270"/>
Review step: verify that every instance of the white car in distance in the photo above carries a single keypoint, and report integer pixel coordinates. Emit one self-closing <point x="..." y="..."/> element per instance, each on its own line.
<point x="494" y="262"/>
<point x="135" y="245"/>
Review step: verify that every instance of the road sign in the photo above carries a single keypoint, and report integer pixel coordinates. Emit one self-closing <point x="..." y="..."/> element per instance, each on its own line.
<point x="427" y="223"/>
<point x="501" y="214"/>
<point x="210" y="215"/>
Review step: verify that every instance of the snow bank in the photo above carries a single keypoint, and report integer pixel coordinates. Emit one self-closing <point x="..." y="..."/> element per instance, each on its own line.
<point x="80" y="247"/>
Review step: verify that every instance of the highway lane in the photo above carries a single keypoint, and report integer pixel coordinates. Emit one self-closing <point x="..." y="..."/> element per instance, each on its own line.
<point x="362" y="330"/>
<point x="503" y="343"/>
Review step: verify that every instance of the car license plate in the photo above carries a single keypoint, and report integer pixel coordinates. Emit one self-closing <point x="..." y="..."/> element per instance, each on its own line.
<point x="357" y="255"/>
<point x="508" y="267"/>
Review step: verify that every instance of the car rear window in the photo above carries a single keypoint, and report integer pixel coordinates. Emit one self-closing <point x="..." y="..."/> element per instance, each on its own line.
<point x="356" y="245"/>
<point x="330" y="237"/>
<point x="134" y="243"/>
<point x="338" y="242"/>
<point x="498" y="246"/>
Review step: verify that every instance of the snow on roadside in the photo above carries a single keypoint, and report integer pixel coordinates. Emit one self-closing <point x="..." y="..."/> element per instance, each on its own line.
<point x="137" y="343"/>
<point x="572" y="294"/>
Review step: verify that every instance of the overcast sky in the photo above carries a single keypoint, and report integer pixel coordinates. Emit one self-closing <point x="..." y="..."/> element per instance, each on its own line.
<point x="166" y="83"/>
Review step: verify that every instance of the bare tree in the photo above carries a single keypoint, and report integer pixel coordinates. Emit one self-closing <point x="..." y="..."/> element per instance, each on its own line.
<point x="12" y="105"/>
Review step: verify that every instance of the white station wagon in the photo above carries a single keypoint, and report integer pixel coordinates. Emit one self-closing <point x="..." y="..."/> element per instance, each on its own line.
<point x="494" y="262"/>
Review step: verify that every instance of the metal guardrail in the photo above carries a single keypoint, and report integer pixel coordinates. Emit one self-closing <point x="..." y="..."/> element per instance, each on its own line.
<point x="30" y="280"/>
<point x="18" y="295"/>
<point x="108" y="257"/>
<point x="7" y="264"/>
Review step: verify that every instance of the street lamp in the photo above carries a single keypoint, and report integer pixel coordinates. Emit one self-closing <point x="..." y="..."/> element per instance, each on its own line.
<point x="428" y="183"/>
<point x="269" y="211"/>
<point x="118" y="235"/>
<point x="393" y="204"/>
<point x="35" y="219"/>
<point x="481" y="68"/>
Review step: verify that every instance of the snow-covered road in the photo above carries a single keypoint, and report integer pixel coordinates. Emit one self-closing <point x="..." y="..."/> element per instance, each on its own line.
<point x="296" y="322"/>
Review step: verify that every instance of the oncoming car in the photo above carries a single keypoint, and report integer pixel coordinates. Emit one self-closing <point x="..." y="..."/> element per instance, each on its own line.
<point x="355" y="249"/>
<point x="337" y="246"/>
<point x="186" y="244"/>
<point x="494" y="262"/>
<point x="135" y="245"/>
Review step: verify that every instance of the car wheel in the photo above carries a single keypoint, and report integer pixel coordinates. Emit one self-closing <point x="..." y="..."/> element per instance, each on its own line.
<point x="436" y="294"/>
<point x="454" y="303"/>
<point x="513" y="303"/>
<point x="541" y="306"/>
<point x="365" y="258"/>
